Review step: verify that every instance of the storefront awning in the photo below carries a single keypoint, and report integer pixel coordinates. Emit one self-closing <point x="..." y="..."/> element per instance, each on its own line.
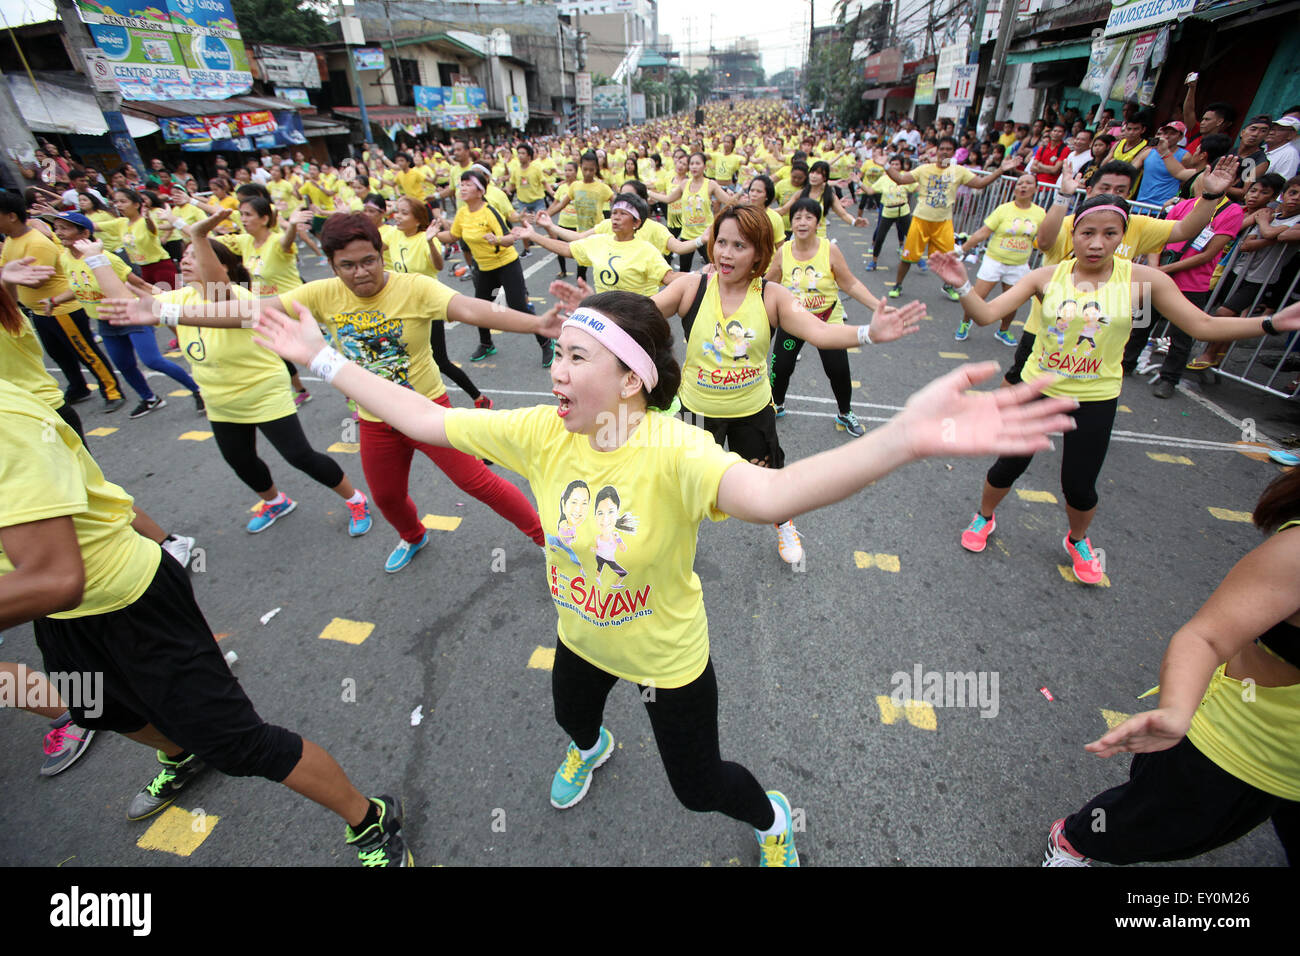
<point x="383" y="115"/>
<point x="1079" y="50"/>
<point x="890" y="93"/>
<point x="55" y="108"/>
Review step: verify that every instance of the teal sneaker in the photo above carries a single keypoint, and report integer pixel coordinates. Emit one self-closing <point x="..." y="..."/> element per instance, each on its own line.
<point x="403" y="553"/>
<point x="963" y="330"/>
<point x="780" y="411"/>
<point x="849" y="423"/>
<point x="573" y="779"/>
<point x="162" y="790"/>
<point x="778" y="850"/>
<point x="924" y="265"/>
<point x="267" y="514"/>
<point x="360" y="521"/>
<point x="1006" y="338"/>
<point x="381" y="844"/>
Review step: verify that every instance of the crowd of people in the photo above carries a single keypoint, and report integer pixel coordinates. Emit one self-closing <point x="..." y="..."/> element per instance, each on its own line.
<point x="1139" y="218"/>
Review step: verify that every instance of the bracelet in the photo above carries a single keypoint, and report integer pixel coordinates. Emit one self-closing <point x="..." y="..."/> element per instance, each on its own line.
<point x="327" y="362"/>
<point x="1211" y="196"/>
<point x="1270" y="328"/>
<point x="964" y="287"/>
<point x="169" y="313"/>
<point x="700" y="242"/>
<point x="1063" y="200"/>
<point x="97" y="261"/>
<point x="864" y="335"/>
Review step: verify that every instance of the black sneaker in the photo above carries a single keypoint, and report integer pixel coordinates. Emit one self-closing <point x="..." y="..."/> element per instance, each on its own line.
<point x="113" y="404"/>
<point x="1163" y="389"/>
<point x="198" y="403"/>
<point x="482" y="352"/>
<point x="159" y="792"/>
<point x="381" y="844"/>
<point x="548" y="353"/>
<point x="148" y="405"/>
<point x="74" y="399"/>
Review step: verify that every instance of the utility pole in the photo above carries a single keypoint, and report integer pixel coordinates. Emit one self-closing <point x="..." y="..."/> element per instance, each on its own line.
<point x="973" y="58"/>
<point x="353" y="80"/>
<point x="993" y="89"/>
<point x="110" y="104"/>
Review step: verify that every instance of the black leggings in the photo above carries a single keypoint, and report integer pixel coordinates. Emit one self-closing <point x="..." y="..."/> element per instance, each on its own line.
<point x="684" y="259"/>
<point x="685" y="724"/>
<point x="438" y="342"/>
<point x="901" y="225"/>
<point x="1024" y="349"/>
<point x="69" y="415"/>
<point x="1081" y="459"/>
<point x="238" y="445"/>
<point x="509" y="277"/>
<point x="835" y="363"/>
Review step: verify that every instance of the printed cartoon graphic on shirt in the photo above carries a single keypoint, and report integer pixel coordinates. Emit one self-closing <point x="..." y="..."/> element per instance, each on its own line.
<point x="936" y="189"/>
<point x="715" y="347"/>
<point x="739" y="337"/>
<point x="1093" y="320"/>
<point x="803" y="285"/>
<point x="603" y="597"/>
<point x="1082" y="320"/>
<point x="374" y="341"/>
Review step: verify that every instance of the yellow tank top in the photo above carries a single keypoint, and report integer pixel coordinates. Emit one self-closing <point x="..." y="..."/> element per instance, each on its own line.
<point x="1083" y="334"/>
<point x="725" y="372"/>
<point x="1127" y="156"/>
<point x="697" y="210"/>
<point x="675" y="208"/>
<point x="812" y="282"/>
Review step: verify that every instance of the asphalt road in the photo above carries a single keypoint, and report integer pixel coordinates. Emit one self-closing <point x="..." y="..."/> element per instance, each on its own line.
<point x="802" y="656"/>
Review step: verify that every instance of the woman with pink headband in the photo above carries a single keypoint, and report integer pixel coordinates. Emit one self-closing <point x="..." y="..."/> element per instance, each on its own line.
<point x="1089" y="304"/>
<point x="629" y="487"/>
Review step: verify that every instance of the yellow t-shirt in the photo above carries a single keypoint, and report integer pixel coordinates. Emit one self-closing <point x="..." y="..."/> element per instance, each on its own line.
<point x="937" y="189"/>
<point x="632" y="266"/>
<point x="411" y="183"/>
<point x="674" y="208"/>
<point x="1085" y="341"/>
<point x="281" y="191"/>
<point x="784" y="190"/>
<point x="725" y="372"/>
<point x="568" y="218"/>
<point x="1142" y="236"/>
<point x="22" y="363"/>
<point x="529" y="184"/>
<point x="109" y="229"/>
<point x="81" y="280"/>
<point x="473" y="226"/>
<point x="57" y="478"/>
<point x="726" y="167"/>
<point x="316" y="196"/>
<point x="273" y="270"/>
<point x="812" y="282"/>
<point x="143" y="247"/>
<point x="387" y="333"/>
<point x="187" y="214"/>
<point x="1013" y="232"/>
<point x="651" y="231"/>
<point x="588" y="200"/>
<point x="241" y="381"/>
<point x="404" y="253"/>
<point x="778" y="227"/>
<point x="37" y="244"/>
<point x="622" y="529"/>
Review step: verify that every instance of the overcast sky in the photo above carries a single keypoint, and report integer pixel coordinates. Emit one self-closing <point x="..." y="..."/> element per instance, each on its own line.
<point x="780" y="26"/>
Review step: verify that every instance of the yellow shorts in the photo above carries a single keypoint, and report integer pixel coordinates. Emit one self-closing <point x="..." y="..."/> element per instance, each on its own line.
<point x="924" y="235"/>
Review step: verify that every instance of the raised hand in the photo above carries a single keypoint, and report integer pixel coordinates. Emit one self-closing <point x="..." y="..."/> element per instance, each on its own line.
<point x="1224" y="175"/>
<point x="570" y="296"/>
<point x="1069" y="185"/>
<point x="947" y="266"/>
<point x="1011" y="162"/>
<point x="1142" y="733"/>
<point x="88" y="247"/>
<point x="26" y="272"/>
<point x="297" y="338"/>
<point x="132" y="311"/>
<point x="948" y="418"/>
<point x="520" y="232"/>
<point x="549" y="323"/>
<point x="889" y="323"/>
<point x="205" y="226"/>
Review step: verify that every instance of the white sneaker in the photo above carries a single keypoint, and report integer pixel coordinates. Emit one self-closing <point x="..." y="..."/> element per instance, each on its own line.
<point x="1057" y="853"/>
<point x="179" y="547"/>
<point x="788" y="543"/>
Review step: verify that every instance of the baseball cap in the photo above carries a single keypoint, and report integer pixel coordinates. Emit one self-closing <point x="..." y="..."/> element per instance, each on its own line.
<point x="77" y="219"/>
<point x="1175" y="124"/>
<point x="1288" y="121"/>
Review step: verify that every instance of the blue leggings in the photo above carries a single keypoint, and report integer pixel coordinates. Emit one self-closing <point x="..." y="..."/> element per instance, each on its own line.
<point x="122" y="349"/>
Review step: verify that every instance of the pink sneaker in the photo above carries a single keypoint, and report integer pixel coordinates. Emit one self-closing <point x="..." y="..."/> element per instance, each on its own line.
<point x="1087" y="567"/>
<point x="301" y="398"/>
<point x="976" y="537"/>
<point x="1059" y="852"/>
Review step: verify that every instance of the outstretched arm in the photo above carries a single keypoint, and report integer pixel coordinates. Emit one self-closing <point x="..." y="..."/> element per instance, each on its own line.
<point x="949" y="268"/>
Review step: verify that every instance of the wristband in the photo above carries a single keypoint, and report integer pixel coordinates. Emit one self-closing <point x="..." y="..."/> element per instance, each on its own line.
<point x="1270" y="328"/>
<point x="327" y="362"/>
<point x="964" y="287"/>
<point x="1211" y="196"/>
<point x="864" y="335"/>
<point x="169" y="313"/>
<point x="700" y="243"/>
<point x="97" y="261"/>
<point x="1062" y="199"/>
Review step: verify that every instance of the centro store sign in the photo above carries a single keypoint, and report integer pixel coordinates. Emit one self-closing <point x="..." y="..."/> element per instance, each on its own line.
<point x="1130" y="16"/>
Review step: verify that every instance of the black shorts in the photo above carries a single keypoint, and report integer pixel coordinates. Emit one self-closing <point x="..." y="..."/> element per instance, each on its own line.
<point x="162" y="666"/>
<point x="1242" y="299"/>
<point x="752" y="437"/>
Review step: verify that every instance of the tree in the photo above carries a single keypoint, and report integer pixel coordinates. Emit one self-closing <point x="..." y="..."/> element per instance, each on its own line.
<point x="832" y="79"/>
<point x="703" y="83"/>
<point x="683" y="89"/>
<point x="282" y="22"/>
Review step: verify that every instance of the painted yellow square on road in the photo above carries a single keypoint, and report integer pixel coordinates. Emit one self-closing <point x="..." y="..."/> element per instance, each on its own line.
<point x="1043" y="497"/>
<point x="885" y="562"/>
<point x="953" y="355"/>
<point x="349" y="632"/>
<point x="177" y="831"/>
<point x="345" y="447"/>
<point x="542" y="659"/>
<point x="100" y="432"/>
<point x="440" y="522"/>
<point x="1226" y="514"/>
<point x="1169" y="459"/>
<point x="1068" y="574"/>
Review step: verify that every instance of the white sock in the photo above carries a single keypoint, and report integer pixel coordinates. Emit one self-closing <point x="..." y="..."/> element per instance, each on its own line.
<point x="279" y="499"/>
<point x="588" y="754"/>
<point x="357" y="497"/>
<point x="779" y="824"/>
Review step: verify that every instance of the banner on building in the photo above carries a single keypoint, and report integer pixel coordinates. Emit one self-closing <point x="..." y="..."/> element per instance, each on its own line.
<point x="451" y="107"/>
<point x="368" y="58"/>
<point x="515" y="112"/>
<point x="924" y="90"/>
<point x="962" y="90"/>
<point x="295" y="68"/>
<point x="884" y="67"/>
<point x="293" y="95"/>
<point x="949" y="57"/>
<point x="1130" y="16"/>
<point x="234" y="131"/>
<point x="1104" y="64"/>
<point x="637" y="108"/>
<point x="582" y="82"/>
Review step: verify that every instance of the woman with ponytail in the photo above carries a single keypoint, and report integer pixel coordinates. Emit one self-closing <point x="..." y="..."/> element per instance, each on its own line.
<point x="144" y="243"/>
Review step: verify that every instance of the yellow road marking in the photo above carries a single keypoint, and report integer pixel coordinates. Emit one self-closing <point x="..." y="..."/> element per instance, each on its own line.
<point x="177" y="832"/>
<point x="440" y="522"/>
<point x="918" y="712"/>
<point x="349" y="632"/>
<point x="100" y="432"/>
<point x="1225" y="514"/>
<point x="1125" y="408"/>
<point x="855" y="349"/>
<point x="542" y="659"/>
<point x="1169" y="459"/>
<point x="1113" y="718"/>
<point x="953" y="355"/>
<point x="1045" y="497"/>
<point x="179" y="393"/>
<point x="195" y="436"/>
<point x="885" y="562"/>
<point x="345" y="447"/>
<point x="856" y="383"/>
<point x="1068" y="575"/>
